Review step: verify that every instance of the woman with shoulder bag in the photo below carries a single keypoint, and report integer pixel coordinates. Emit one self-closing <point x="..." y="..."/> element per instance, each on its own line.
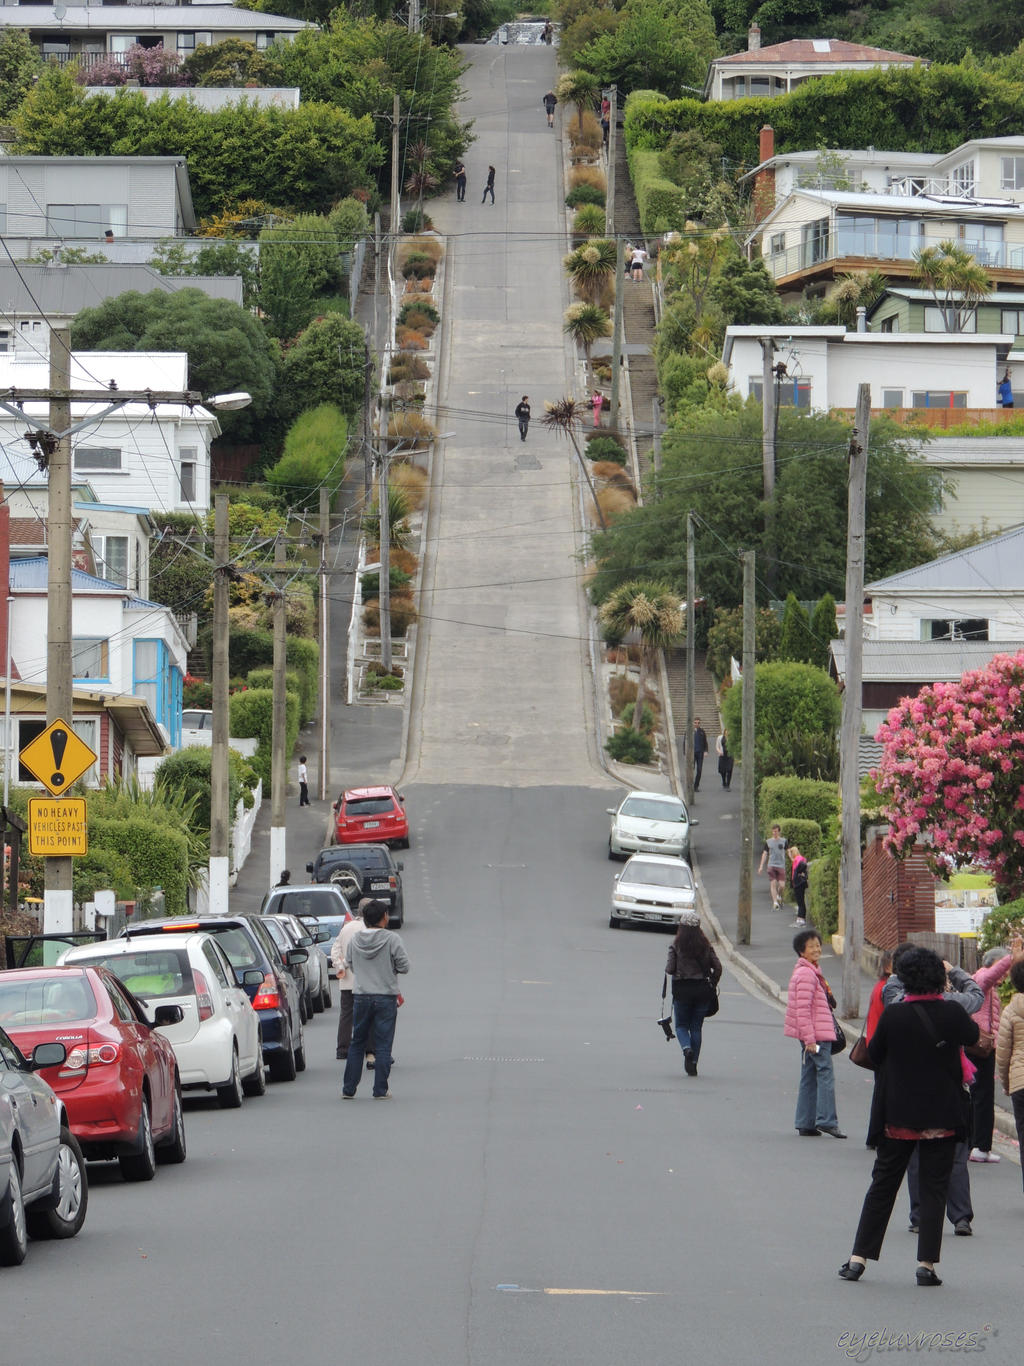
<point x="695" y="971"/>
<point x="809" y="1019"/>
<point x="798" y="880"/>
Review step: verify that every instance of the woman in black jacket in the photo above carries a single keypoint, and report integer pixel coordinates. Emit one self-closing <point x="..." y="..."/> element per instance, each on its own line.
<point x="695" y="970"/>
<point x="919" y="1103"/>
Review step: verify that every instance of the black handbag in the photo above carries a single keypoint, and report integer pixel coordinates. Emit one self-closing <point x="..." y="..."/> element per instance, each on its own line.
<point x="665" y="1022"/>
<point x="839" y="1042"/>
<point x="712" y="999"/>
<point x="859" y="1055"/>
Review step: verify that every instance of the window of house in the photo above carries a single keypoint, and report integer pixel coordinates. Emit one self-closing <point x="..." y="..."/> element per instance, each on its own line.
<point x="1011" y="176"/>
<point x="5" y="339"/>
<point x="760" y="85"/>
<point x="892" y="398"/>
<point x="187" y="474"/>
<point x="792" y="392"/>
<point x="97" y="458"/>
<point x="777" y="243"/>
<point x="90" y="657"/>
<point x="814" y="238"/>
<point x="890" y="324"/>
<point x="1011" y="320"/>
<point x="152" y="679"/>
<point x="263" y="41"/>
<point x="962" y="178"/>
<point x="25" y="730"/>
<point x="112" y="558"/>
<point x="86" y="220"/>
<point x="934" y="320"/>
<point x="939" y="398"/>
<point x="188" y="42"/>
<point x="966" y="628"/>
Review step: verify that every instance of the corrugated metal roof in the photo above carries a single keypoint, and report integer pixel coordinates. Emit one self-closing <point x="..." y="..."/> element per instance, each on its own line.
<point x="922" y="661"/>
<point x="32" y="576"/>
<point x="63" y="291"/>
<point x="996" y="565"/>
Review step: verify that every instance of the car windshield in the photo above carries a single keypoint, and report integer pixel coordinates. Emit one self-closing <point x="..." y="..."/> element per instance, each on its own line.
<point x="358" y="858"/>
<point x="36" y="1001"/>
<point x="368" y="806"/>
<point x="657" y="874"/>
<point x="653" y="809"/>
<point x="149" y="973"/>
<point x="278" y="933"/>
<point x="310" y="901"/>
<point x="238" y="947"/>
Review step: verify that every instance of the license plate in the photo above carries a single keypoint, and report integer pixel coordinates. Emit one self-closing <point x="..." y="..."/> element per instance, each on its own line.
<point x="380" y="886"/>
<point x="370" y="825"/>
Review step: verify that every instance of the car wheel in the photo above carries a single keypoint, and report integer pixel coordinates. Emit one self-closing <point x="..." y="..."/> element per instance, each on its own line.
<point x="173" y="1149"/>
<point x="229" y="1096"/>
<point x="141" y="1166"/>
<point x="282" y="1063"/>
<point x="255" y="1084"/>
<point x="14" y="1238"/>
<point x="326" y="999"/>
<point x="318" y="1002"/>
<point x="300" y="1055"/>
<point x="71" y="1190"/>
<point x="310" y="1008"/>
<point x="614" y="922"/>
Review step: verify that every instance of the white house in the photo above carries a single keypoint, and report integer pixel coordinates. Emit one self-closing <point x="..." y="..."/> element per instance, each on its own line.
<point x="34" y="298"/>
<point x="825" y="365"/>
<point x="212" y="97"/>
<point x="780" y="68"/>
<point x="155" y="458"/>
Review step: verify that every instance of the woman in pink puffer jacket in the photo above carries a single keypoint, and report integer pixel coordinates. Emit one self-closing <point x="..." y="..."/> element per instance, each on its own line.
<point x="809" y="1019"/>
<point x="994" y="967"/>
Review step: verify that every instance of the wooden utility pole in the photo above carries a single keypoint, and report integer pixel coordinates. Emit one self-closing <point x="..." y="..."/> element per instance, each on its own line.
<point x="691" y="617"/>
<point x="279" y="722"/>
<point x="849" y="735"/>
<point x="58" y="899"/>
<point x="768" y="454"/>
<point x="220" y="820"/>
<point x="609" y="206"/>
<point x="396" y="219"/>
<point x="385" y="558"/>
<point x="746" y="890"/>
<point x="620" y="268"/>
<point x="323" y="775"/>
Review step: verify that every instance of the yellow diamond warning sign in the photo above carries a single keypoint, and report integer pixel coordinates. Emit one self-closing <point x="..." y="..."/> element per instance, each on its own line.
<point x="57" y="757"/>
<point x="57" y="826"/>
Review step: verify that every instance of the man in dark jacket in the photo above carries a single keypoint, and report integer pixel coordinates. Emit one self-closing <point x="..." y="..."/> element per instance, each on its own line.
<point x="376" y="955"/>
<point x="700" y="748"/>
<point x="522" y="411"/>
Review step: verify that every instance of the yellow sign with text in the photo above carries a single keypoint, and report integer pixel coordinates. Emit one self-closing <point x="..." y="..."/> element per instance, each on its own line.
<point x="57" y="757"/>
<point x="57" y="826"/>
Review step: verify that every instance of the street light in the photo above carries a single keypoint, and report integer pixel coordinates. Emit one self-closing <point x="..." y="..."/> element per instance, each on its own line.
<point x="229" y="403"/>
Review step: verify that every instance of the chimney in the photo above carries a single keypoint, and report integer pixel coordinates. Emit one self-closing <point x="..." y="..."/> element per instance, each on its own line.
<point x="862" y="318"/>
<point x="753" y="39"/>
<point x="764" y="181"/>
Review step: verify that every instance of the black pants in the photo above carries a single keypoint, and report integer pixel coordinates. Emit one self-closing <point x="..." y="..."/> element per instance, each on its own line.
<point x="800" y="897"/>
<point x="958" y="1189"/>
<point x="488" y="190"/>
<point x="303" y="794"/>
<point x="698" y="765"/>
<point x="983" y="1099"/>
<point x="1017" y="1101"/>
<point x="460" y="188"/>
<point x="524" y="427"/>
<point x="891" y="1160"/>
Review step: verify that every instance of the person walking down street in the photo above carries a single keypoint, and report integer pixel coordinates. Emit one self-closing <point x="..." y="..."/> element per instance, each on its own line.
<point x="489" y="187"/>
<point x="460" y="181"/>
<point x="303" y="781"/>
<point x="725" y="761"/>
<point x="346" y="978"/>
<point x="377" y="956"/>
<point x="522" y="412"/>
<point x="547" y="33"/>
<point x="1010" y="1049"/>
<point x="773" y="853"/>
<point x="695" y="971"/>
<point x="597" y="403"/>
<point x="700" y="748"/>
<point x="918" y="1107"/>
<point x="549" y="101"/>
<point x="809" y="1019"/>
<point x="994" y="967"/>
<point x="798" y="880"/>
<point x="962" y="990"/>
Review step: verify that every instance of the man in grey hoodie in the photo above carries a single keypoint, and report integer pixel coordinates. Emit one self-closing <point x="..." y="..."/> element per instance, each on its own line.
<point x="376" y="955"/>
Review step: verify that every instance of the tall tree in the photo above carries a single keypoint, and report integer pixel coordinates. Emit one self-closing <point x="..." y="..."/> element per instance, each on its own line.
<point x="20" y="64"/>
<point x="591" y="268"/>
<point x="824" y="629"/>
<point x="580" y="88"/>
<point x="657" y="45"/>
<point x="796" y="642"/>
<point x="956" y="281"/>
<point x="585" y="324"/>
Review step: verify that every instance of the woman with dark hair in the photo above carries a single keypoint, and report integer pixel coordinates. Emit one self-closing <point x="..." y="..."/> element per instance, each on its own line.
<point x="919" y="1104"/>
<point x="809" y="1019"/>
<point x="695" y="971"/>
<point x="1010" y="1048"/>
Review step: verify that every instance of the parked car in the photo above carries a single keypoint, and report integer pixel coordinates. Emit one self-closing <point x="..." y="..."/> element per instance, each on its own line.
<point x="363" y="870"/>
<point x="649" y="823"/>
<point x="217" y="1042"/>
<point x="248" y="946"/>
<point x="653" y="888"/>
<point x="119" y="1080"/>
<point x="312" y="976"/>
<point x="371" y="813"/>
<point x="319" y="905"/>
<point x="332" y="925"/>
<point x="44" y="1191"/>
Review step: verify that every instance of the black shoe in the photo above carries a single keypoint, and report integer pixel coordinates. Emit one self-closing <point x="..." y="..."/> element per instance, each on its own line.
<point x="808" y="1133"/>
<point x="925" y="1276"/>
<point x="689" y="1065"/>
<point x="341" y="1057"/>
<point x="833" y="1130"/>
<point x="851" y="1271"/>
<point x="962" y="1228"/>
<point x="913" y="1228"/>
<point x="371" y="1063"/>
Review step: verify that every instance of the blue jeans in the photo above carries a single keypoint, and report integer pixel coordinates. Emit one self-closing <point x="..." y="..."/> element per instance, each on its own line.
<point x="373" y="1020"/>
<point x="689" y="1018"/>
<point x="816" y="1099"/>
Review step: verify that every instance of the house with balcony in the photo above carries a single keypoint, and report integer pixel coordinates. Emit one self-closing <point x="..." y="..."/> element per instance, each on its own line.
<point x="152" y="457"/>
<point x="91" y="33"/>
<point x="781" y="67"/>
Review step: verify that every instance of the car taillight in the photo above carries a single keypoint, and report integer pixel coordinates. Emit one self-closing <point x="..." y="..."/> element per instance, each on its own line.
<point x="82" y="1057"/>
<point x="267" y="996"/>
<point x="203" y="998"/>
<point x="393" y="882"/>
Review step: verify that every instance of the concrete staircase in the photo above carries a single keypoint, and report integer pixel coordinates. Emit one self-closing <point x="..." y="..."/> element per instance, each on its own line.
<point x="705" y="702"/>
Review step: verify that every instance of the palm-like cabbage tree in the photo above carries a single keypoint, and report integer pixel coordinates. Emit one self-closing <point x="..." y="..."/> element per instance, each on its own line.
<point x="586" y="324"/>
<point x="420" y="180"/>
<point x="579" y="88"/>
<point x="565" y="416"/>
<point x="590" y="267"/>
<point x="857" y="289"/>
<point x="653" y="610"/>
<point x="956" y="280"/>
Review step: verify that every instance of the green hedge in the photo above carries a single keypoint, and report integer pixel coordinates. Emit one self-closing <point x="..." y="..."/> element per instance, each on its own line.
<point x="806" y="835"/>
<point x="661" y="203"/>
<point x="188" y="771"/>
<point x="823" y="894"/>
<point x="805" y="799"/>
<point x="156" y="854"/>
<point x="303" y="655"/>
<point x="313" y="456"/>
<point x="252" y="714"/>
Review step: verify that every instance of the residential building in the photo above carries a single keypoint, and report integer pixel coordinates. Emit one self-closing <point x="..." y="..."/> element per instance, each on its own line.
<point x="93" y="32"/>
<point x="35" y="298"/>
<point x="155" y="458"/>
<point x="780" y="68"/>
<point x="210" y="98"/>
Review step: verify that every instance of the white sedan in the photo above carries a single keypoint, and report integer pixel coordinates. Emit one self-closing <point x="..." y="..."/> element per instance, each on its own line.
<point x="217" y="1042"/>
<point x="649" y="822"/>
<point x="653" y="889"/>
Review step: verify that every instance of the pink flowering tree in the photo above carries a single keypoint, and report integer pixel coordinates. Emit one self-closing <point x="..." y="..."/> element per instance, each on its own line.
<point x="147" y="65"/>
<point x="952" y="773"/>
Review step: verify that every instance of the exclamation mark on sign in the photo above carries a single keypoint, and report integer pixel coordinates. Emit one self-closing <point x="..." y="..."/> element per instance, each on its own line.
<point x="58" y="743"/>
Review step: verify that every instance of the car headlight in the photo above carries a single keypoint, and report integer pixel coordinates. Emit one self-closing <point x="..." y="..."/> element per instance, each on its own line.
<point x="621" y="896"/>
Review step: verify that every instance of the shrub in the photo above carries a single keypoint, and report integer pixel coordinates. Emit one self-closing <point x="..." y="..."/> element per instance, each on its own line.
<point x="384" y="682"/>
<point x="614" y="502"/>
<point x="589" y="221"/>
<point x="806" y="835"/>
<point x="1000" y="925"/>
<point x="313" y="458"/>
<point x="661" y="203"/>
<point x="252" y="714"/>
<point x="403" y="615"/>
<point x="584" y="194"/>
<point x="408" y="368"/>
<point x="794" y="702"/>
<point x="156" y="853"/>
<point x="415" y="220"/>
<point x="188" y="771"/>
<point x="798" y="799"/>
<point x="613" y="474"/>
<point x="429" y="247"/>
<point x="411" y="480"/>
<point x="725" y="638"/>
<point x="401" y="558"/>
<point x="410" y="340"/>
<point x="303" y="655"/>
<point x="647" y="717"/>
<point x="606" y="448"/>
<point x="397" y="578"/>
<point x="264" y="678"/>
<point x="588" y="175"/>
<point x="410" y="427"/>
<point x="423" y="307"/>
<point x="417" y="265"/>
<point x="823" y="894"/>
<point x="419" y="321"/>
<point x="621" y="692"/>
<point x="197" y="693"/>
<point x="629" y="747"/>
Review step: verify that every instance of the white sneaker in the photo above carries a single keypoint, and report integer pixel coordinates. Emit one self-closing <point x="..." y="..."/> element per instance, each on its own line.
<point x="798" y="924"/>
<point x="979" y="1155"/>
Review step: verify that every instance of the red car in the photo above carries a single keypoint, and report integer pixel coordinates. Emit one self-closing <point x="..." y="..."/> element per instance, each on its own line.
<point x="371" y="815"/>
<point x="119" y="1082"/>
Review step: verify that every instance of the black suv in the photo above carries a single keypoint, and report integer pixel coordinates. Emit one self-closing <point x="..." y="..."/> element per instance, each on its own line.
<point x="363" y="870"/>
